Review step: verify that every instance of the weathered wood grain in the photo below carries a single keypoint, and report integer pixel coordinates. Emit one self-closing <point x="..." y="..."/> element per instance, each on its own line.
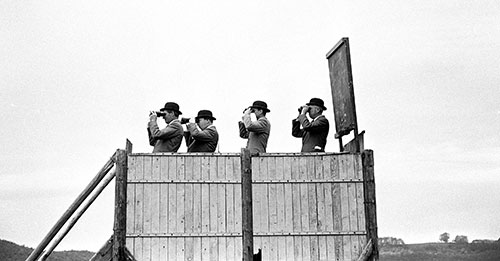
<point x="196" y="214"/>
<point x="139" y="207"/>
<point x="172" y="248"/>
<point x="147" y="196"/>
<point x="155" y="208"/>
<point x="138" y="254"/>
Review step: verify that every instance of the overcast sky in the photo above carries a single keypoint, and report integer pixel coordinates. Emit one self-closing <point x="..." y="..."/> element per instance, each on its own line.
<point x="79" y="77"/>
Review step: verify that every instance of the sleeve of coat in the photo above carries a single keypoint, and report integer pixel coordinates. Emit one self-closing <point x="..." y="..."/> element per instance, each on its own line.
<point x="152" y="140"/>
<point x="201" y="135"/>
<point x="243" y="130"/>
<point x="321" y="124"/>
<point x="257" y="126"/>
<point x="296" y="131"/>
<point x="187" y="138"/>
<point x="166" y="133"/>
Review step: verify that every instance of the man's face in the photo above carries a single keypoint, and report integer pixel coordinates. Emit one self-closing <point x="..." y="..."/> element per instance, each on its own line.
<point x="314" y="111"/>
<point x="258" y="112"/>
<point x="169" y="116"/>
<point x="203" y="123"/>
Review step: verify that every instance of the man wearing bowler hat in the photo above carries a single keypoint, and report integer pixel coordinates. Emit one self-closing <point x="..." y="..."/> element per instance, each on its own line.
<point x="257" y="132"/>
<point x="168" y="139"/>
<point x="202" y="136"/>
<point x="315" y="131"/>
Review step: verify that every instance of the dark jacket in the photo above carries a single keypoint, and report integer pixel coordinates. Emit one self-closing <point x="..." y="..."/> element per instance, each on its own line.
<point x="257" y="132"/>
<point x="168" y="139"/>
<point x="201" y="140"/>
<point x="313" y="133"/>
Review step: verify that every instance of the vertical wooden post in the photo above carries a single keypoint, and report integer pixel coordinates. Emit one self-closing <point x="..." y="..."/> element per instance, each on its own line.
<point x="246" y="203"/>
<point x="120" y="206"/>
<point x="128" y="146"/>
<point x="370" y="202"/>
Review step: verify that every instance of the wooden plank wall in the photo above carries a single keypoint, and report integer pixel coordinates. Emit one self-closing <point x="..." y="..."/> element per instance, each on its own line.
<point x="188" y="206"/>
<point x="184" y="207"/>
<point x="308" y="207"/>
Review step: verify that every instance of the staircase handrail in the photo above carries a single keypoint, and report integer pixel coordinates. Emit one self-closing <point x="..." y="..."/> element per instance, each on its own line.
<point x="69" y="212"/>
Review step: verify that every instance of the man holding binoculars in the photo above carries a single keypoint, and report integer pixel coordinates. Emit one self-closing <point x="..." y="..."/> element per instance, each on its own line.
<point x="201" y="136"/>
<point x="168" y="139"/>
<point x="314" y="132"/>
<point x="257" y="132"/>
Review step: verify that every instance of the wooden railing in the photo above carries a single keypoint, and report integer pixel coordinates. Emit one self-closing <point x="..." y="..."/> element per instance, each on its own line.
<point x="82" y="203"/>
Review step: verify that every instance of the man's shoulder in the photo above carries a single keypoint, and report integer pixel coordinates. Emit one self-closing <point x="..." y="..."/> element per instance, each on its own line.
<point x="264" y="119"/>
<point x="321" y="118"/>
<point x="213" y="130"/>
<point x="175" y="123"/>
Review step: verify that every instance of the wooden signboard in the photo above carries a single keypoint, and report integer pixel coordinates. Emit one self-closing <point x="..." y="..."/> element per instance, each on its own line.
<point x="339" y="63"/>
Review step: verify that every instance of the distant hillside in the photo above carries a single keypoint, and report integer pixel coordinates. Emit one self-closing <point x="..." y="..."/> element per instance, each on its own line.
<point x="441" y="252"/>
<point x="12" y="252"/>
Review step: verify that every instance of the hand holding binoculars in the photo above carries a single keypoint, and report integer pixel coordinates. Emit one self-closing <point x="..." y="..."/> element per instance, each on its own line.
<point x="302" y="107"/>
<point x="251" y="109"/>
<point x="158" y="113"/>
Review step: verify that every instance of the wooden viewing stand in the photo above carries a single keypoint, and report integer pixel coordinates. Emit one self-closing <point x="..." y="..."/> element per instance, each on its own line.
<point x="196" y="206"/>
<point x="222" y="206"/>
<point x="225" y="206"/>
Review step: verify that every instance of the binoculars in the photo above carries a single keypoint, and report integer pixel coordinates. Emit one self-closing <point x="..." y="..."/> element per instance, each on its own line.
<point x="301" y="107"/>
<point x="251" y="110"/>
<point x="158" y="113"/>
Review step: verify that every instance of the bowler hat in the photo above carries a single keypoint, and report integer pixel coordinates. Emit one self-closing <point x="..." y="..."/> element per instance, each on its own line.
<point x="318" y="102"/>
<point x="171" y="106"/>
<point x="205" y="114"/>
<point x="260" y="105"/>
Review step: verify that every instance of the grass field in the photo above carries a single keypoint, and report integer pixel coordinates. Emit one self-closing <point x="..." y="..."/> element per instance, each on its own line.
<point x="441" y="252"/>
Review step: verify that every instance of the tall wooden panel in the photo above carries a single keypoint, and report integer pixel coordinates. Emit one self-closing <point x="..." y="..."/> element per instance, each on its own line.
<point x="339" y="64"/>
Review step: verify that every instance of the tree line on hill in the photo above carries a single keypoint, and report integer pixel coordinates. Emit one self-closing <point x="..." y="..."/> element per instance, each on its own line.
<point x="461" y="239"/>
<point x="444" y="238"/>
<point x="10" y="251"/>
